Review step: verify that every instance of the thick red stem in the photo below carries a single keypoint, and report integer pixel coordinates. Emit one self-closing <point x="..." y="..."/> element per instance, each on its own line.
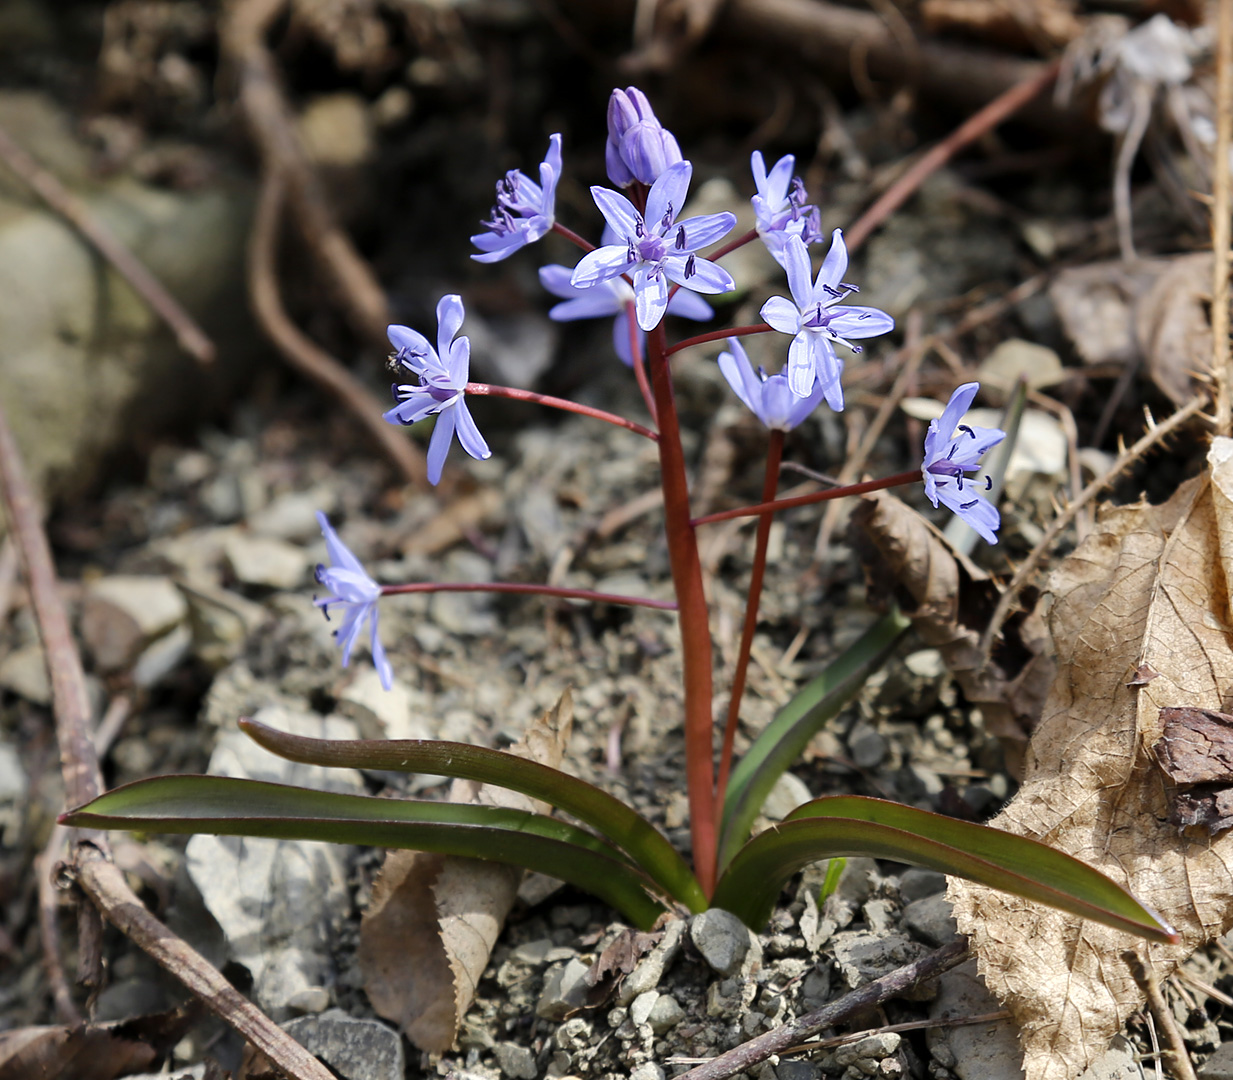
<point x="528" y="589"/>
<point x="479" y="389"/>
<point x="692" y="615"/>
<point x="912" y="476"/>
<point x="774" y="454"/>
<point x="572" y="236"/>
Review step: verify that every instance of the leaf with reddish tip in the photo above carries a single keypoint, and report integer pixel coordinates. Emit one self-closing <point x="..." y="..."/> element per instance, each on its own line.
<point x="852" y="825"/>
<point x="226" y="806"/>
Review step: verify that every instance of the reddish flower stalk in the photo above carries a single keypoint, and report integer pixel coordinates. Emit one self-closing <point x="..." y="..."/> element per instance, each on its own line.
<point x="639" y="361"/>
<point x="692" y="616"/>
<point x="774" y="454"/>
<point x="529" y="589"/>
<point x="572" y="236"/>
<point x="912" y="476"/>
<point x="720" y="335"/>
<point x="487" y="390"/>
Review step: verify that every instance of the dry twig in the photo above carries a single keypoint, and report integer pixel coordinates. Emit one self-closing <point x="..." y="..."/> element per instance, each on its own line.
<point x="91" y="867"/>
<point x="1220" y="217"/>
<point x="749" y="1054"/>
<point x="191" y="338"/>
<point x="302" y="352"/>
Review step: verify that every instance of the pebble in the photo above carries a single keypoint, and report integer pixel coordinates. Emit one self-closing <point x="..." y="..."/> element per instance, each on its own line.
<point x="972" y="1051"/>
<point x="517" y="1062"/>
<point x="397" y="713"/>
<point x="24" y="673"/>
<point x="1220" y="1065"/>
<point x="354" y="1049"/>
<point x="221" y="623"/>
<point x="1122" y="1062"/>
<point x="917" y="883"/>
<point x="162" y="657"/>
<point x="122" y="614"/>
<point x="564" y="991"/>
<point x="265" y="562"/>
<point x="865" y="745"/>
<point x="870" y="1048"/>
<point x="292" y="516"/>
<point x="788" y="793"/>
<point x="665" y="1014"/>
<point x="930" y="919"/>
<point x="650" y="969"/>
<point x="862" y="957"/>
<point x="312" y="999"/>
<point x="721" y="938"/>
<point x="648" y="1070"/>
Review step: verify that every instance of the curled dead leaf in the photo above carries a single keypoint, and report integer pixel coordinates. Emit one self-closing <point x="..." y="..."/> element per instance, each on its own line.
<point x="949" y="600"/>
<point x="1148" y="587"/>
<point x="1174" y="328"/>
<point x="434" y="919"/>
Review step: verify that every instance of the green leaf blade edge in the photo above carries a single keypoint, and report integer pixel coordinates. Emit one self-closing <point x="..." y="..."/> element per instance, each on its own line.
<point x="236" y="807"/>
<point x="626" y="828"/>
<point x="855" y="826"/>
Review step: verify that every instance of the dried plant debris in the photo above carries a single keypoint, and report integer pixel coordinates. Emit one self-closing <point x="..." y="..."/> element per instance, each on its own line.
<point x="427" y="936"/>
<point x="1195" y="752"/>
<point x="1148" y="587"/>
<point x="949" y="600"/>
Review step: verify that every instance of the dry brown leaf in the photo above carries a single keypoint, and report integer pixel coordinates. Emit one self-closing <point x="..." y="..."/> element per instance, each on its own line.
<point x="1096" y="305"/>
<point x="1011" y="23"/>
<point x="1148" y="587"/>
<point x="86" y="1053"/>
<point x="949" y="600"/>
<point x="426" y="938"/>
<point x="1173" y="327"/>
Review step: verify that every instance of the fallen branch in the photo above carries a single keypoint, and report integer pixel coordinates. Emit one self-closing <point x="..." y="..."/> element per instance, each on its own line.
<point x="747" y="1055"/>
<point x="90" y="864"/>
<point x="301" y="352"/>
<point x="191" y="338"/>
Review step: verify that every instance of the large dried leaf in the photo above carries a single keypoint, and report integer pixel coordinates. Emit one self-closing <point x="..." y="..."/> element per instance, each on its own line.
<point x="1141" y="622"/>
<point x="1173" y="325"/>
<point x="949" y="599"/>
<point x="426" y="938"/>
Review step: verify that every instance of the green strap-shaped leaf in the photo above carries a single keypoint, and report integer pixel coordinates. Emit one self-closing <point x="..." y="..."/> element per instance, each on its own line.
<point x="233" y="807"/>
<point x="623" y="826"/>
<point x="784" y="739"/>
<point x="851" y="825"/>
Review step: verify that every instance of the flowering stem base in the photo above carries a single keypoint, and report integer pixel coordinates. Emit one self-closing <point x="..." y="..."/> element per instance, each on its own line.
<point x="774" y="454"/>
<point x="720" y="335"/>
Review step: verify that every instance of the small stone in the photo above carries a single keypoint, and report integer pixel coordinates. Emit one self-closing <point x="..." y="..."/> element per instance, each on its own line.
<point x="354" y="1049"/>
<point x="816" y="989"/>
<point x="788" y="793"/>
<point x="863" y="957"/>
<point x="517" y="1062"/>
<point x="648" y="1070"/>
<point x="533" y="953"/>
<point x="930" y="919"/>
<point x="925" y="664"/>
<point x="24" y="673"/>
<point x="796" y="1069"/>
<point x="312" y="999"/>
<point x="650" y="969"/>
<point x="665" y="1014"/>
<point x="124" y="613"/>
<point x="1015" y="357"/>
<point x="721" y="938"/>
<point x="573" y="1035"/>
<point x="870" y="1048"/>
<point x="162" y="657"/>
<point x="1121" y="1062"/>
<point x="564" y="992"/>
<point x="642" y="1005"/>
<point x="878" y="914"/>
<point x="265" y="562"/>
<point x="917" y="883"/>
<point x="221" y="622"/>
<point x="866" y="746"/>
<point x="292" y="516"/>
<point x="381" y="713"/>
<point x="1220" y="1065"/>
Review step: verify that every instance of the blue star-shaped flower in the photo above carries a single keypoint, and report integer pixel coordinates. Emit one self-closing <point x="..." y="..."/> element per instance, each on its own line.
<point x="524" y="211"/>
<point x="816" y="318"/>
<point x="768" y="396"/>
<point x="356" y="593"/>
<point x="953" y="449"/>
<point x="655" y="248"/>
<point x="780" y="207"/>
<point x="443" y="374"/>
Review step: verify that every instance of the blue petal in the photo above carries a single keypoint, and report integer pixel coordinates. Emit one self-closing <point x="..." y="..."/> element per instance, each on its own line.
<point x="403" y="337"/>
<point x="859" y="322"/>
<point x="384" y="671"/>
<point x="802" y="374"/>
<point x="650" y="296"/>
<point x="705" y="276"/>
<point x="736" y="368"/>
<point x="469" y="437"/>
<point x="340" y="554"/>
<point x="705" y="229"/>
<point x="618" y="211"/>
<point x="439" y="445"/>
<point x="600" y="265"/>
<point x="670" y="190"/>
<point x="834" y="266"/>
<point x="781" y="314"/>
<point x="800" y="275"/>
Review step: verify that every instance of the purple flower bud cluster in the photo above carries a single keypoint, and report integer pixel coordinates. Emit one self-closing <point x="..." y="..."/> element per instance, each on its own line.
<point x="639" y="148"/>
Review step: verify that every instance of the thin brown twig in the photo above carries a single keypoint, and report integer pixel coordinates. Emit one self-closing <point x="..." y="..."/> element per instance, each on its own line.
<point x="302" y="352"/>
<point x="749" y="1054"/>
<point x="1154" y="434"/>
<point x="242" y="33"/>
<point x="908" y="1025"/>
<point x="191" y="338"/>
<point x="1222" y="203"/>
<point x="90" y="866"/>
<point x="1183" y="1067"/>
<point x="978" y="124"/>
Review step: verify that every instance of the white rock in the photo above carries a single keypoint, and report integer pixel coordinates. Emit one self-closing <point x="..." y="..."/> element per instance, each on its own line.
<point x="261" y="560"/>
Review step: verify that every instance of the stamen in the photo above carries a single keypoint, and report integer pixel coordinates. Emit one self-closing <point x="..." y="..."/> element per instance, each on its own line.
<point x="667" y="219"/>
<point x="988" y="483"/>
<point x="689" y="267"/>
<point x="964" y="427"/>
<point x="865" y="315"/>
<point x="850" y="288"/>
<point x="831" y="292"/>
<point x="858" y="349"/>
<point x="680" y="238"/>
<point x="639" y="231"/>
<point x="968" y="505"/>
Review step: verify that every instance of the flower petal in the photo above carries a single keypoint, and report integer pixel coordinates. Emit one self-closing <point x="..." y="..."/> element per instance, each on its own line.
<point x="384" y="672"/>
<point x="618" y="211"/>
<point x="781" y="314"/>
<point x="800" y="276"/>
<point x="450" y="314"/>
<point x="736" y="368"/>
<point x="705" y="229"/>
<point x="802" y="374"/>
<point x="859" y="322"/>
<point x="668" y="193"/>
<point x="439" y="444"/>
<point x="412" y="410"/>
<point x="469" y="437"/>
<point x="701" y="275"/>
<point x="834" y="266"/>
<point x="650" y="295"/>
<point x="340" y="554"/>
<point x="600" y="265"/>
<point x="403" y="337"/>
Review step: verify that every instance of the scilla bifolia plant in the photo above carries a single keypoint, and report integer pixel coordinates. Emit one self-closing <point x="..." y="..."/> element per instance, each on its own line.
<point x="652" y="261"/>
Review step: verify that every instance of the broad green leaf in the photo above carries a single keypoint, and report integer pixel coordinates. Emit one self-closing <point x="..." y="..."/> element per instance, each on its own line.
<point x="623" y="826"/>
<point x="784" y="739"/>
<point x="233" y="807"/>
<point x="851" y="825"/>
